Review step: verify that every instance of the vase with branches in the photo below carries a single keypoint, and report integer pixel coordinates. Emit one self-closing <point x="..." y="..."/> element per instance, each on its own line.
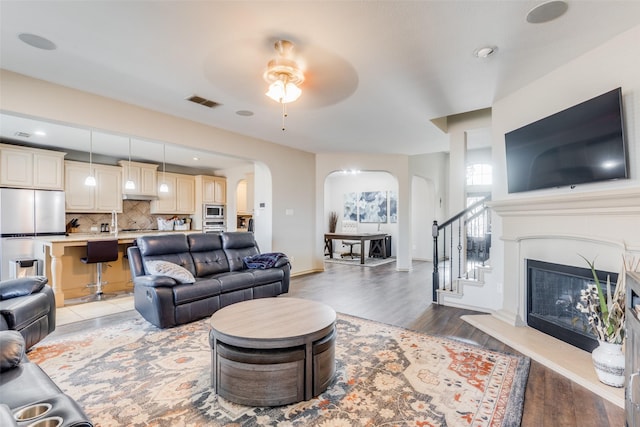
<point x="333" y="221"/>
<point x="605" y="312"/>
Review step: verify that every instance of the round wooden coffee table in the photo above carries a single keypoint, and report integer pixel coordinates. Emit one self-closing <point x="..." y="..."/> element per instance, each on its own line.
<point x="272" y="351"/>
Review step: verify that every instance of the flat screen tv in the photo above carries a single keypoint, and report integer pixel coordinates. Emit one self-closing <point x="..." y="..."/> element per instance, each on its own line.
<point x="582" y="144"/>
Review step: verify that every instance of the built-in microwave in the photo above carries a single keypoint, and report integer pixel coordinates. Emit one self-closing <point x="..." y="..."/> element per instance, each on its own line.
<point x="213" y="211"/>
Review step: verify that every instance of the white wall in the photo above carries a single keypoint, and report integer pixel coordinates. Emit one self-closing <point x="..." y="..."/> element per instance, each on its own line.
<point x="429" y="199"/>
<point x="422" y="216"/>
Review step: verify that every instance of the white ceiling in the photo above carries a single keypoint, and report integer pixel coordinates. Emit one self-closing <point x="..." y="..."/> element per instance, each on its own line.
<point x="377" y="72"/>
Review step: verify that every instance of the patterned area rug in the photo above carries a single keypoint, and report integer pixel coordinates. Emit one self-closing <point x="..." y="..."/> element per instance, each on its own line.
<point x="134" y="374"/>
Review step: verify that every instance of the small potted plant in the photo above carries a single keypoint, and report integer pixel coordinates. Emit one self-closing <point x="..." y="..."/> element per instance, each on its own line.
<point x="605" y="313"/>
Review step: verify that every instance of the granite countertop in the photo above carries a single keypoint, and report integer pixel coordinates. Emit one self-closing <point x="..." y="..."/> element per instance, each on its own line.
<point x="122" y="235"/>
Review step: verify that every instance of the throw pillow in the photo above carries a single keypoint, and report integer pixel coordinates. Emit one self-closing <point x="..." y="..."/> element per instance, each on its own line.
<point x="166" y="268"/>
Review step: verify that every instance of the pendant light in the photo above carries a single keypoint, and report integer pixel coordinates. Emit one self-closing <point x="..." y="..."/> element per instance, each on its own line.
<point x="164" y="188"/>
<point x="129" y="185"/>
<point x="90" y="180"/>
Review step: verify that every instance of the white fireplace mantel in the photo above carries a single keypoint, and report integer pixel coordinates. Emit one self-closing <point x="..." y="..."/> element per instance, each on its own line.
<point x="610" y="202"/>
<point x="602" y="225"/>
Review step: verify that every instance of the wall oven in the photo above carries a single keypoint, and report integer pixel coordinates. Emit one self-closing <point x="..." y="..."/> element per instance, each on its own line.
<point x="213" y="225"/>
<point x="213" y="211"/>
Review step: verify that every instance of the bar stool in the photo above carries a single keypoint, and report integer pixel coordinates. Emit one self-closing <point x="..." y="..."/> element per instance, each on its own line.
<point x="99" y="251"/>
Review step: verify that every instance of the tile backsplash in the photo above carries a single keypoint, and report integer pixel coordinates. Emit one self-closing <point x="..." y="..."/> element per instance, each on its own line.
<point x="136" y="214"/>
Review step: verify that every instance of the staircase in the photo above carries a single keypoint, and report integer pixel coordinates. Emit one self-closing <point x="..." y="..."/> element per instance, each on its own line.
<point x="462" y="248"/>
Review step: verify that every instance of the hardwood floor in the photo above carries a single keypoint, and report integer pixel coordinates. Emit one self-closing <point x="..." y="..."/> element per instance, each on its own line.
<point x="402" y="299"/>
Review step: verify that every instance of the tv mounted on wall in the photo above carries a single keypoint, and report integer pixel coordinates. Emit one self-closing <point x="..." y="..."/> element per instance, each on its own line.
<point x="582" y="144"/>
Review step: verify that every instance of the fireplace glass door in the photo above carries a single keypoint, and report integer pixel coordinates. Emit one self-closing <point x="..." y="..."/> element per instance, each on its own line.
<point x="553" y="291"/>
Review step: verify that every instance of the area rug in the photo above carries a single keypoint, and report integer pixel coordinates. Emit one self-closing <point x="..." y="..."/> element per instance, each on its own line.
<point x="133" y="374"/>
<point x="368" y="262"/>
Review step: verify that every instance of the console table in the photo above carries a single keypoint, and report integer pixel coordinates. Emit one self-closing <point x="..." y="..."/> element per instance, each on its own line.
<point x="362" y="237"/>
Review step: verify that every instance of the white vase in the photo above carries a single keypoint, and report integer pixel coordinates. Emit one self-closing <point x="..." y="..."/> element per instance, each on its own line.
<point x="608" y="360"/>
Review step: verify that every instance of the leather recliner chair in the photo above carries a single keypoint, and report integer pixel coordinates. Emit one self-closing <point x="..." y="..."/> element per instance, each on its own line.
<point x="28" y="305"/>
<point x="28" y="396"/>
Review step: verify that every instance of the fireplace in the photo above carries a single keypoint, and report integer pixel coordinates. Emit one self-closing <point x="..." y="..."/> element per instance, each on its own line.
<point x="553" y="290"/>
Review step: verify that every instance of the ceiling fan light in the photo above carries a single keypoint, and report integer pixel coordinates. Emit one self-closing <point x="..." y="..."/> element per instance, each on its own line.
<point x="283" y="92"/>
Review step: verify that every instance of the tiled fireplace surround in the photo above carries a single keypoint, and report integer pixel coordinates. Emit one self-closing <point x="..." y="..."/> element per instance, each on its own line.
<point x="603" y="225"/>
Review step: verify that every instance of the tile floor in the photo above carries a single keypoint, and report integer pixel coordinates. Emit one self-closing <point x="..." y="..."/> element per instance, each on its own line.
<point x="75" y="312"/>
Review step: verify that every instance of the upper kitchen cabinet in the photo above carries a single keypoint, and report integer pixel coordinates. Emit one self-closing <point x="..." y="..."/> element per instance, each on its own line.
<point x="31" y="168"/>
<point x="211" y="189"/>
<point x="180" y="199"/>
<point x="143" y="175"/>
<point x="106" y="196"/>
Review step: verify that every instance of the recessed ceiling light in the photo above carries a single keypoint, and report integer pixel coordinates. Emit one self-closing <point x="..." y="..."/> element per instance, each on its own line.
<point x="196" y="158"/>
<point x="485" y="51"/>
<point x="40" y="133"/>
<point x="245" y="113"/>
<point x="547" y="11"/>
<point x="37" y="41"/>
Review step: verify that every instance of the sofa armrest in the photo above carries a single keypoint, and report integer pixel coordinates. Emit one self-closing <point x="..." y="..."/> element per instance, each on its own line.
<point x="155" y="281"/>
<point x="12" y="349"/>
<point x="281" y="262"/>
<point x="22" y="286"/>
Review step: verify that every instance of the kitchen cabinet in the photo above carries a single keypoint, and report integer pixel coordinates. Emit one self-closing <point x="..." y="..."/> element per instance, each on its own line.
<point x="143" y="175"/>
<point x="180" y="199"/>
<point x="211" y="189"/>
<point x="106" y="196"/>
<point x="31" y="168"/>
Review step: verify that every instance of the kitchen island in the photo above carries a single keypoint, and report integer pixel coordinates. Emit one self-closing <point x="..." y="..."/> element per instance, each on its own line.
<point x="69" y="277"/>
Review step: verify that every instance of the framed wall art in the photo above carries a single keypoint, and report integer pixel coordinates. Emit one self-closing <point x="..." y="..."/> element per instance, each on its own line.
<point x="350" y="210"/>
<point x="372" y="206"/>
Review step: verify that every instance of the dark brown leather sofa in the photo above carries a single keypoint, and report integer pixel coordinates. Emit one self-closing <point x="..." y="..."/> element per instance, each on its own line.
<point x="217" y="263"/>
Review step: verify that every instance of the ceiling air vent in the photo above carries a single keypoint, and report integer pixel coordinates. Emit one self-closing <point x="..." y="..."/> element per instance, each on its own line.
<point x="203" y="101"/>
<point x="23" y="134"/>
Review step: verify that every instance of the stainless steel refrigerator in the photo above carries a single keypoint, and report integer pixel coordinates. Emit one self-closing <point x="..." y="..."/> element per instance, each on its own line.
<point x="25" y="214"/>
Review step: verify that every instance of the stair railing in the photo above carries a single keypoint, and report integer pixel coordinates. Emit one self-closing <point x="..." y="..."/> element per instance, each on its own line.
<point x="465" y="244"/>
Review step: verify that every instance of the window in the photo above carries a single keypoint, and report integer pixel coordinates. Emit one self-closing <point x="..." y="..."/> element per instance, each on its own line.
<point x="479" y="174"/>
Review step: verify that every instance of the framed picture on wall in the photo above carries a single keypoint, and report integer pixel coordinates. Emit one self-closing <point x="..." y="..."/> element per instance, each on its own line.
<point x="372" y="206"/>
<point x="393" y="207"/>
<point x="350" y="210"/>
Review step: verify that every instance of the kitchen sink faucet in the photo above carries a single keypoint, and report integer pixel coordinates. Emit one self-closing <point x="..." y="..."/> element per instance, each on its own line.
<point x="114" y="222"/>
